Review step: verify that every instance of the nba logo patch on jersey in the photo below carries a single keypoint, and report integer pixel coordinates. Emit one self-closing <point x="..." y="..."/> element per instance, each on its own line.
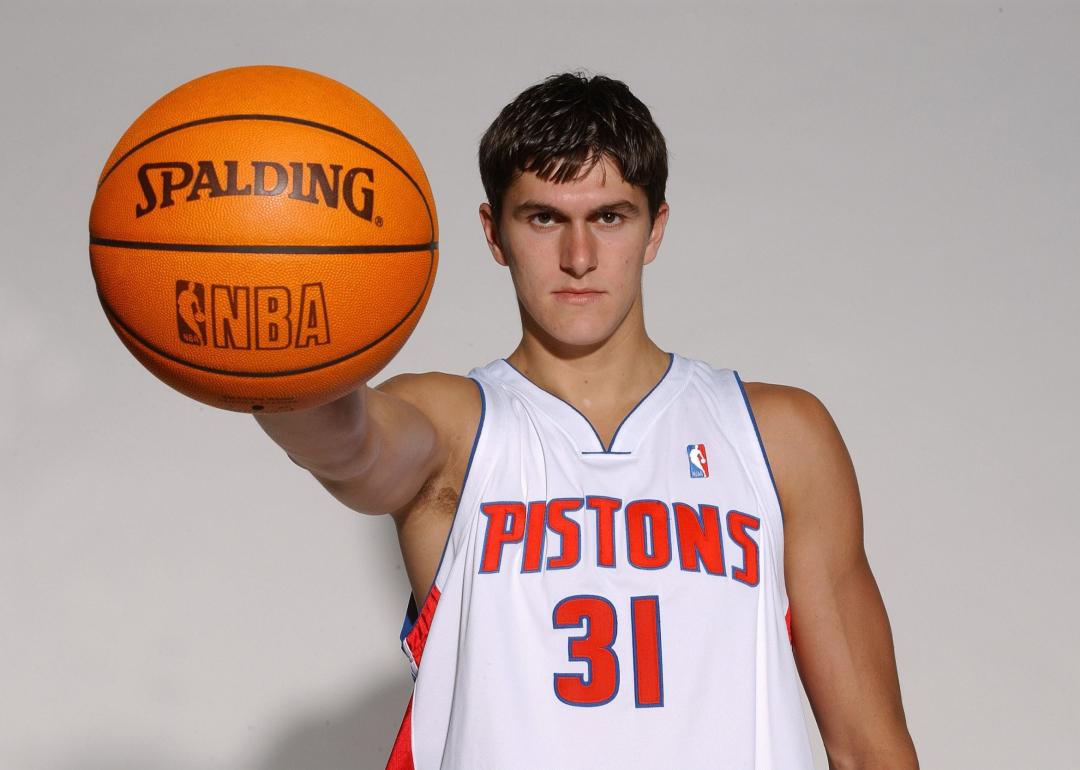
<point x="699" y="463"/>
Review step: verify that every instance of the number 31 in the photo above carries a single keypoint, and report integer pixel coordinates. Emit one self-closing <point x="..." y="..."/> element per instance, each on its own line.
<point x="596" y="616"/>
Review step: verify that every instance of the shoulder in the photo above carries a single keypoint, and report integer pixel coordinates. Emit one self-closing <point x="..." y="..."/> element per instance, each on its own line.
<point x="800" y="438"/>
<point x="452" y="403"/>
<point x="793" y="408"/>
<point x="432" y="390"/>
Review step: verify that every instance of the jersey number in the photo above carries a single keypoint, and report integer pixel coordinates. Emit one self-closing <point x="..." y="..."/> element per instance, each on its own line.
<point x="596" y="616"/>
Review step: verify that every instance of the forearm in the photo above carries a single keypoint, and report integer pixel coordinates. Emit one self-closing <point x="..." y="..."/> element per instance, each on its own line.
<point x="845" y="653"/>
<point x="898" y="755"/>
<point x="331" y="441"/>
<point x="372" y="450"/>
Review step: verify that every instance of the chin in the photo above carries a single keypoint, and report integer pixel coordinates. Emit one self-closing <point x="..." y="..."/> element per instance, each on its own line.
<point x="584" y="333"/>
<point x="585" y="328"/>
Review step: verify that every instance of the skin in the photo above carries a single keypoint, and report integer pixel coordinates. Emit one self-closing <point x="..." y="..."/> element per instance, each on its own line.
<point x="575" y="252"/>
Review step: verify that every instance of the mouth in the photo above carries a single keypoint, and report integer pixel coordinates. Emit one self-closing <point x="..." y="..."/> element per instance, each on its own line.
<point x="577" y="296"/>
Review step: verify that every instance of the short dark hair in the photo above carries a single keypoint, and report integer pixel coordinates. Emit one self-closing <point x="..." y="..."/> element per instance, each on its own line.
<point x="564" y="125"/>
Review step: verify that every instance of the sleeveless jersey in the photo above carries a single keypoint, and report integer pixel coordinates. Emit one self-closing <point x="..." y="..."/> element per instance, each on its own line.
<point x="609" y="607"/>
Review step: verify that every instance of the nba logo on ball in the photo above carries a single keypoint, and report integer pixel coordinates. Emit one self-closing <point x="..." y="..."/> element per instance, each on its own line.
<point x="699" y="462"/>
<point x="190" y="318"/>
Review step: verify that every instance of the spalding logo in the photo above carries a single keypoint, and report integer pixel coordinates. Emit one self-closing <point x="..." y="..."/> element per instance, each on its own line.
<point x="160" y="182"/>
<point x="251" y="317"/>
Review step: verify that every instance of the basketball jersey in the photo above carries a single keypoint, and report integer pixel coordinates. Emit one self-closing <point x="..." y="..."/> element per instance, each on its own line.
<point x="616" y="606"/>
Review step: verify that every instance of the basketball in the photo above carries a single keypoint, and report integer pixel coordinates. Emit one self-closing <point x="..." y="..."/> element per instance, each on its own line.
<point x="263" y="239"/>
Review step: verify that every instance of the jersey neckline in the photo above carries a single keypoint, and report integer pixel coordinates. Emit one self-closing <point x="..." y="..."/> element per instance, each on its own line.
<point x="630" y="430"/>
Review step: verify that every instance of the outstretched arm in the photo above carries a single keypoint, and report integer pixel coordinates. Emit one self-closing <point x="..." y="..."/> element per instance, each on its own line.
<point x="842" y="639"/>
<point x="375" y="449"/>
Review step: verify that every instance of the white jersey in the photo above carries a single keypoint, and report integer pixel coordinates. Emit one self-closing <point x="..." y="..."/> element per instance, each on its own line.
<point x="609" y="607"/>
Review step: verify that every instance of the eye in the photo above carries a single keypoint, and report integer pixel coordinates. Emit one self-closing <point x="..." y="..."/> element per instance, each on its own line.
<point x="609" y="218"/>
<point x="542" y="218"/>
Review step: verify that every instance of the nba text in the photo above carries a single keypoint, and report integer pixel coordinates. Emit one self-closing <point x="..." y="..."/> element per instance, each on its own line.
<point x="251" y="317"/>
<point x="652" y="534"/>
<point x="308" y="182"/>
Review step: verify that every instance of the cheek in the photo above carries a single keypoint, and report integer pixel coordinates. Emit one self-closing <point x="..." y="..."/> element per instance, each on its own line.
<point x="529" y="285"/>
<point x="531" y="263"/>
<point x="523" y="274"/>
<point x="624" y="275"/>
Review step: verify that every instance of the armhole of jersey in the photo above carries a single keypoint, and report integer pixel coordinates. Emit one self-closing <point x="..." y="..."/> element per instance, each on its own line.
<point x="761" y="444"/>
<point x="776" y="492"/>
<point x="412" y="612"/>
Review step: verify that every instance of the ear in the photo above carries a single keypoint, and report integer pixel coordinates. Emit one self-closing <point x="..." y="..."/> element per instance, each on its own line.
<point x="657" y="234"/>
<point x="491" y="233"/>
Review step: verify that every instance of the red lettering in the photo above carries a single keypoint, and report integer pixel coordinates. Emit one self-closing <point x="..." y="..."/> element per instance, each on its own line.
<point x="738" y="523"/>
<point x="648" y="545"/>
<point x="700" y="541"/>
<point x="596" y="616"/>
<point x="648" y="664"/>
<point x="605" y="508"/>
<point x="534" y="537"/>
<point x="567" y="529"/>
<point x="506" y="524"/>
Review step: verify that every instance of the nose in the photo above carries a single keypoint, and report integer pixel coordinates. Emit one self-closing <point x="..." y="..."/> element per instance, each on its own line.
<point x="578" y="254"/>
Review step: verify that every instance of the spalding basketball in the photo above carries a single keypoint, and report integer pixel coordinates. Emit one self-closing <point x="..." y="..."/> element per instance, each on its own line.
<point x="263" y="238"/>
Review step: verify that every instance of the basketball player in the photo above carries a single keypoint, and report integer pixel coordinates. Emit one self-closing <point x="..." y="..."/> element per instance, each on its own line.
<point x="617" y="555"/>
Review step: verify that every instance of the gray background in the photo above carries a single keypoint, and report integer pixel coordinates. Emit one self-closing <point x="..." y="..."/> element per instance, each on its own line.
<point x="876" y="202"/>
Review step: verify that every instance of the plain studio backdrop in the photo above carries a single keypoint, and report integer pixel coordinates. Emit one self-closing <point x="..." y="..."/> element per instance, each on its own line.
<point x="876" y="202"/>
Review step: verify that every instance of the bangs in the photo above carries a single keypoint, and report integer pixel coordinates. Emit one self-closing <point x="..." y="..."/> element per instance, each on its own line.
<point x="570" y="167"/>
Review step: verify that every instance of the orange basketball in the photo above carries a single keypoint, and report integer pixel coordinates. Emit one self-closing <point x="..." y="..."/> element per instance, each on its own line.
<point x="263" y="238"/>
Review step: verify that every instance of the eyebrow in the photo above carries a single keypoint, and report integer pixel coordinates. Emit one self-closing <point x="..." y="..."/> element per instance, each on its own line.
<point x="618" y="207"/>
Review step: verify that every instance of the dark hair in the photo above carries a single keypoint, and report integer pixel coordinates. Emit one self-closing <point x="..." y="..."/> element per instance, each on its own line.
<point x="561" y="127"/>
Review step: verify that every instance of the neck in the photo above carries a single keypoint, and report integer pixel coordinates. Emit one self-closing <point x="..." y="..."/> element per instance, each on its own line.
<point x="603" y="381"/>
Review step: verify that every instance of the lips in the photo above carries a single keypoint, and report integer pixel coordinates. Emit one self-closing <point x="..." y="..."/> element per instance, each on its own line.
<point x="578" y="296"/>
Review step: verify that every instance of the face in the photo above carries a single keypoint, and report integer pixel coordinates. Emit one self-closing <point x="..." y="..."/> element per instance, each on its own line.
<point x="576" y="252"/>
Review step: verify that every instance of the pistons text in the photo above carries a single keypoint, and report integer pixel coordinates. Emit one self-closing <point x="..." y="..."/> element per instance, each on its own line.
<point x="651" y="534"/>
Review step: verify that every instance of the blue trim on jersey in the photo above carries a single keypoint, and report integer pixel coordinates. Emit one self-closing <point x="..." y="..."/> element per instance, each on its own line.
<point x="604" y="450"/>
<point x="615" y="435"/>
<point x="586" y="419"/>
<point x="764" y="454"/>
<point x="412" y="612"/>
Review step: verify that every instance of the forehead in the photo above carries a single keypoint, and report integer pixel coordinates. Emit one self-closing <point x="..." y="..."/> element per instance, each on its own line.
<point x="599" y="184"/>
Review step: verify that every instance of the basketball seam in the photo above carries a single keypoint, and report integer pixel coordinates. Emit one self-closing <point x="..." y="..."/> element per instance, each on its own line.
<point x="223" y="248"/>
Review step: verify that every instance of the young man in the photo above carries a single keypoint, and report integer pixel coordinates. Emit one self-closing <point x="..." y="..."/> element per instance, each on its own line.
<point x="602" y="559"/>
